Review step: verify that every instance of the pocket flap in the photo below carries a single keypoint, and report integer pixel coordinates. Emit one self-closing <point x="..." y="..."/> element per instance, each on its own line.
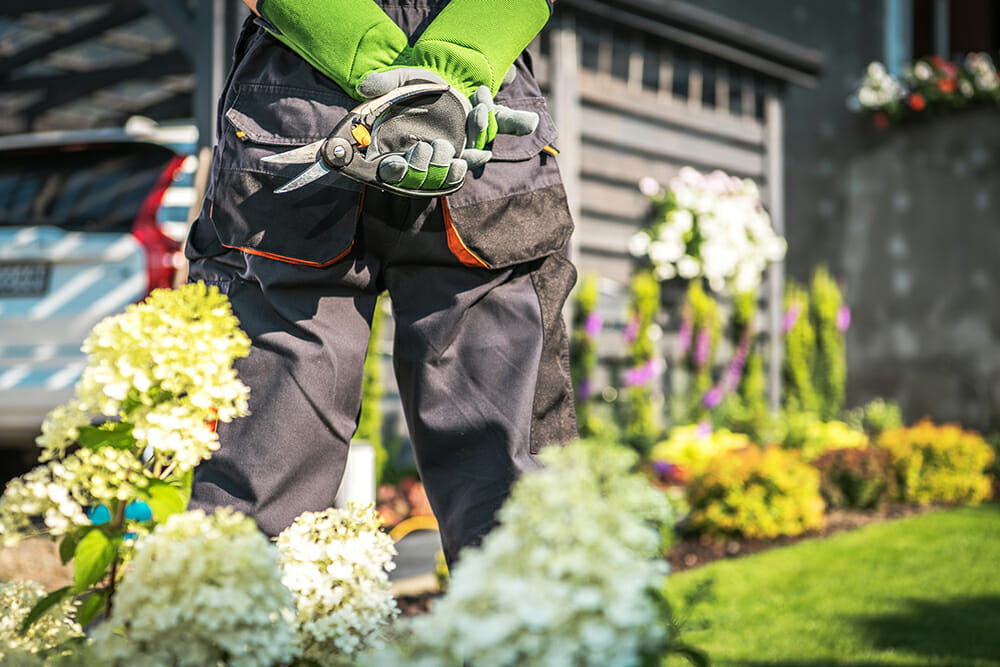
<point x="509" y="147"/>
<point x="283" y="116"/>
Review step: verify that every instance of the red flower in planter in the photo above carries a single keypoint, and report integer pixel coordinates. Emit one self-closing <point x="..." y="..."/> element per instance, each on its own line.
<point x="917" y="102"/>
<point x="881" y="120"/>
<point x="947" y="85"/>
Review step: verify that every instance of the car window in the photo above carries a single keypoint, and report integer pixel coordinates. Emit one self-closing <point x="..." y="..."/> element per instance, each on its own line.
<point x="95" y="188"/>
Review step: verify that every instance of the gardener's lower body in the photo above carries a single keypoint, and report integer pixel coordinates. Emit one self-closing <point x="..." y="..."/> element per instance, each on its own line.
<point x="477" y="284"/>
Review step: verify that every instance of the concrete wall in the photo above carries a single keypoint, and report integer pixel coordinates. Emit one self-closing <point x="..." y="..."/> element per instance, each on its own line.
<point x="922" y="263"/>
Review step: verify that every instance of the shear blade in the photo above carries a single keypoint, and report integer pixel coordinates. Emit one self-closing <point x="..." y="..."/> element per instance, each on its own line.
<point x="302" y="155"/>
<point x="316" y="171"/>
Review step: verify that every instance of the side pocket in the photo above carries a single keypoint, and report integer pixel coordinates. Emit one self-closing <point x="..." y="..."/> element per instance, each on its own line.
<point x="553" y="415"/>
<point x="314" y="225"/>
<point x="514" y="210"/>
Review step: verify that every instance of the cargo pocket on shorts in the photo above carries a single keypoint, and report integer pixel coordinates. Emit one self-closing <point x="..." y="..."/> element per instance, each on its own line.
<point x="515" y="210"/>
<point x="314" y="225"/>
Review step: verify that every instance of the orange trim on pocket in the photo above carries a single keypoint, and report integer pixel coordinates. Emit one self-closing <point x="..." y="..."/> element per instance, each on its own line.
<point x="455" y="243"/>
<point x="291" y="260"/>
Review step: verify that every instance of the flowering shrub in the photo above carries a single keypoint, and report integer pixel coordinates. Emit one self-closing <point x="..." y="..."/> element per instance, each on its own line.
<point x="855" y="477"/>
<point x="927" y="86"/>
<point x="571" y="576"/>
<point x="697" y="345"/>
<point x="692" y="447"/>
<point x="157" y="376"/>
<point x="642" y="402"/>
<point x="875" y="416"/>
<point x="200" y="590"/>
<point x="822" y="436"/>
<point x="758" y="493"/>
<point x="17" y="599"/>
<point x="708" y="225"/>
<point x="587" y="325"/>
<point x="336" y="562"/>
<point x="939" y="463"/>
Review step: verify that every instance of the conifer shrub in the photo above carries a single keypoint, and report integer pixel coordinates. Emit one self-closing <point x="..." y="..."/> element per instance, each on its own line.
<point x="756" y="492"/>
<point x="855" y="477"/>
<point x="935" y="463"/>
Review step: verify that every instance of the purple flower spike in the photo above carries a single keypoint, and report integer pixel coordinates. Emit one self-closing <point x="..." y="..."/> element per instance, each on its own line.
<point x="712" y="399"/>
<point x="704" y="346"/>
<point x="684" y="336"/>
<point x="594" y="324"/>
<point x="791" y="317"/>
<point x="585" y="390"/>
<point x="843" y="318"/>
<point x="632" y="330"/>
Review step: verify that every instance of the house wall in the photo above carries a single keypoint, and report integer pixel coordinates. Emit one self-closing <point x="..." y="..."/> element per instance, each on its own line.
<point x="905" y="218"/>
<point x="921" y="224"/>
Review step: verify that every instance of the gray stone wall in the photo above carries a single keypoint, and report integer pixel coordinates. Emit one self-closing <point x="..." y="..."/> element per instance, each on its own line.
<point x="921" y="259"/>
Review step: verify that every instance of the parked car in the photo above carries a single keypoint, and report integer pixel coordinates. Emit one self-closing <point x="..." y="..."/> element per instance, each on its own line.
<point x="90" y="222"/>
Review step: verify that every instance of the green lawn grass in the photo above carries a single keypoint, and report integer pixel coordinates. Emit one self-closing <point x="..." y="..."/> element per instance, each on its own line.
<point x="918" y="591"/>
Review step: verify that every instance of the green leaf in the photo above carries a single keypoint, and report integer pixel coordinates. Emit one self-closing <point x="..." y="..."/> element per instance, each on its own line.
<point x="164" y="499"/>
<point x="91" y="606"/>
<point x="108" y="434"/>
<point x="43" y="606"/>
<point x="67" y="548"/>
<point x="183" y="483"/>
<point x="94" y="555"/>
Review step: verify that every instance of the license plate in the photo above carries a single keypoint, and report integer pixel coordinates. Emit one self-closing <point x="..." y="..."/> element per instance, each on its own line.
<point x="24" y="279"/>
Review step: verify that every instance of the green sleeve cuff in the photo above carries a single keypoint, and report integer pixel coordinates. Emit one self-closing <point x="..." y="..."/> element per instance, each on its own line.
<point x="343" y="39"/>
<point x="474" y="42"/>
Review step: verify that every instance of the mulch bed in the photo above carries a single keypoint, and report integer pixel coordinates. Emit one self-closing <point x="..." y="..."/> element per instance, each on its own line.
<point x="697" y="550"/>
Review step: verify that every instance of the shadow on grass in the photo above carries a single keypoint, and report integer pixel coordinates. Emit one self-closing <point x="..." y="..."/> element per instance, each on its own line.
<point x="957" y="629"/>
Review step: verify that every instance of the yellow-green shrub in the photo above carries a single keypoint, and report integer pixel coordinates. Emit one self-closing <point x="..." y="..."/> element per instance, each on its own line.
<point x="756" y="492"/>
<point x="823" y="436"/>
<point x="939" y="463"/>
<point x="691" y="447"/>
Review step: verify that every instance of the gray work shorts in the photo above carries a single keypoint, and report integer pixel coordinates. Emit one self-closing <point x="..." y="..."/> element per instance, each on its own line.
<point x="477" y="283"/>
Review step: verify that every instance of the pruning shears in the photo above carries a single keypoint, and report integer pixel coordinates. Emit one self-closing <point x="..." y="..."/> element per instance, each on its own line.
<point x="345" y="149"/>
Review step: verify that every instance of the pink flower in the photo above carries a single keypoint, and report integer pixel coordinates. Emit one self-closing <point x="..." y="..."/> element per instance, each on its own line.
<point x="632" y="330"/>
<point x="791" y="317"/>
<point x="843" y="318"/>
<point x="593" y="325"/>
<point x="712" y="398"/>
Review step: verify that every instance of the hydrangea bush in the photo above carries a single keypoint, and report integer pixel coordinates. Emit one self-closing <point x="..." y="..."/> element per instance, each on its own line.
<point x="571" y="576"/>
<point x="201" y="590"/>
<point x="117" y="459"/>
<point x="17" y="599"/>
<point x="710" y="226"/>
<point x="336" y="562"/>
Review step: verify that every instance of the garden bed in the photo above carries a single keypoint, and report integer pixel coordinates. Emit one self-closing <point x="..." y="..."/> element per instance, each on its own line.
<point x="696" y="550"/>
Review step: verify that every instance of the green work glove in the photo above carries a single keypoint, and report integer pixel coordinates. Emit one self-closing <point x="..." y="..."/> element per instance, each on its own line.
<point x="343" y="39"/>
<point x="473" y="43"/>
<point x="424" y="166"/>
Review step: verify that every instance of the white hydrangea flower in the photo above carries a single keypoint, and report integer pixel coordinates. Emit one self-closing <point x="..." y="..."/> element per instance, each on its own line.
<point x="563" y="580"/>
<point x="165" y="366"/>
<point x="200" y="590"/>
<point x="336" y="563"/>
<point x="56" y="626"/>
<point x="52" y="491"/>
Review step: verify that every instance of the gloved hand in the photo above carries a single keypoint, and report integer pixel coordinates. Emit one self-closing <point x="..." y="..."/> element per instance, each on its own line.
<point x="463" y="48"/>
